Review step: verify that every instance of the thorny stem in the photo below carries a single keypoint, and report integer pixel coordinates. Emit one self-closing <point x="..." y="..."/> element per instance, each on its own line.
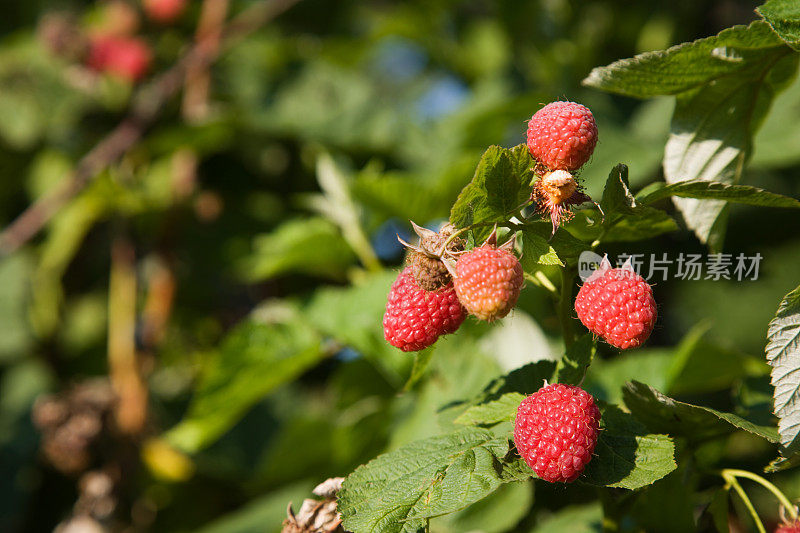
<point x="565" y="305"/>
<point x="730" y="473"/>
<point x="733" y="482"/>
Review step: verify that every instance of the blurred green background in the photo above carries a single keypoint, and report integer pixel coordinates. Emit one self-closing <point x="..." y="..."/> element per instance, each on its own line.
<point x="248" y="249"/>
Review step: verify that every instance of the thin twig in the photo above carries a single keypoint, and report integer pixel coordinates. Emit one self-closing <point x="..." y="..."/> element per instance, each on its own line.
<point x="147" y="104"/>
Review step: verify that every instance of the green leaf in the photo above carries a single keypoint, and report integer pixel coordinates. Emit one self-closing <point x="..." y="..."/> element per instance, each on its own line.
<point x="15" y="273"/>
<point x="264" y="512"/>
<point x="586" y="518"/>
<point x="573" y="364"/>
<point x="708" y="190"/>
<point x="504" y="409"/>
<point x="712" y="134"/>
<point x="617" y="196"/>
<point x="700" y="366"/>
<point x="662" y="413"/>
<point x="497" y="513"/>
<point x="498" y="188"/>
<point x="627" y="455"/>
<point x="724" y="87"/>
<point x="567" y="248"/>
<point x="783" y="354"/>
<point x="398" y="491"/>
<point x="783" y="463"/>
<point x="783" y="16"/>
<point x="253" y="360"/>
<point x="733" y="52"/>
<point x="608" y="376"/>
<point x="623" y="217"/>
<point x="645" y="224"/>
<point x="537" y="251"/>
<point x="353" y="316"/>
<point x="312" y="246"/>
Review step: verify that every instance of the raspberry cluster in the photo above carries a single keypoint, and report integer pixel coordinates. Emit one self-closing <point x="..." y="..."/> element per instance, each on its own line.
<point x="442" y="283"/>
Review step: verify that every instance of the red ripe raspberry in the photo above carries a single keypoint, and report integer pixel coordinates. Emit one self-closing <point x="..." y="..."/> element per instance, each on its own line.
<point x="415" y="318"/>
<point x="126" y="57"/>
<point x="556" y="431"/>
<point x="488" y="281"/>
<point x="562" y="135"/>
<point x="617" y="304"/>
<point x="164" y="11"/>
<point x="793" y="527"/>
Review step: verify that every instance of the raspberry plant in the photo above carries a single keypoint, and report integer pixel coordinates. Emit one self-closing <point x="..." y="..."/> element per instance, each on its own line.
<point x="257" y="255"/>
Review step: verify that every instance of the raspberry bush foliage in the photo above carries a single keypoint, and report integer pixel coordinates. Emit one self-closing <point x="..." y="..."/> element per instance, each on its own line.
<point x="400" y="267"/>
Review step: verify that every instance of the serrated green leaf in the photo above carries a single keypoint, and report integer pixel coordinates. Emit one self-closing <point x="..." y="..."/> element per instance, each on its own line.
<point x="645" y="224"/>
<point x="734" y="51"/>
<point x="662" y="413"/>
<point x="497" y="513"/>
<point x="783" y="354"/>
<point x="309" y="246"/>
<point x="573" y="364"/>
<point x="724" y="86"/>
<point x="707" y="190"/>
<point x="712" y="133"/>
<point x="503" y="409"/>
<point x="254" y="359"/>
<point x="399" y="490"/>
<point x="566" y="247"/>
<point x="498" y="188"/>
<point x="623" y="217"/>
<point x="537" y="251"/>
<point x="783" y="16"/>
<point x="627" y="455"/>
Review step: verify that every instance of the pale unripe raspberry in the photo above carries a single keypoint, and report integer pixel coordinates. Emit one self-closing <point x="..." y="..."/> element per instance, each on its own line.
<point x="488" y="281"/>
<point x="416" y="318"/>
<point x="617" y="304"/>
<point x="556" y="431"/>
<point x="562" y="135"/>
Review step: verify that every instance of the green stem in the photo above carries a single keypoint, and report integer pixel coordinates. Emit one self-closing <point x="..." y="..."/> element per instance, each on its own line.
<point x="542" y="281"/>
<point x="731" y="472"/>
<point x="733" y="482"/>
<point x="565" y="305"/>
<point x="509" y="225"/>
